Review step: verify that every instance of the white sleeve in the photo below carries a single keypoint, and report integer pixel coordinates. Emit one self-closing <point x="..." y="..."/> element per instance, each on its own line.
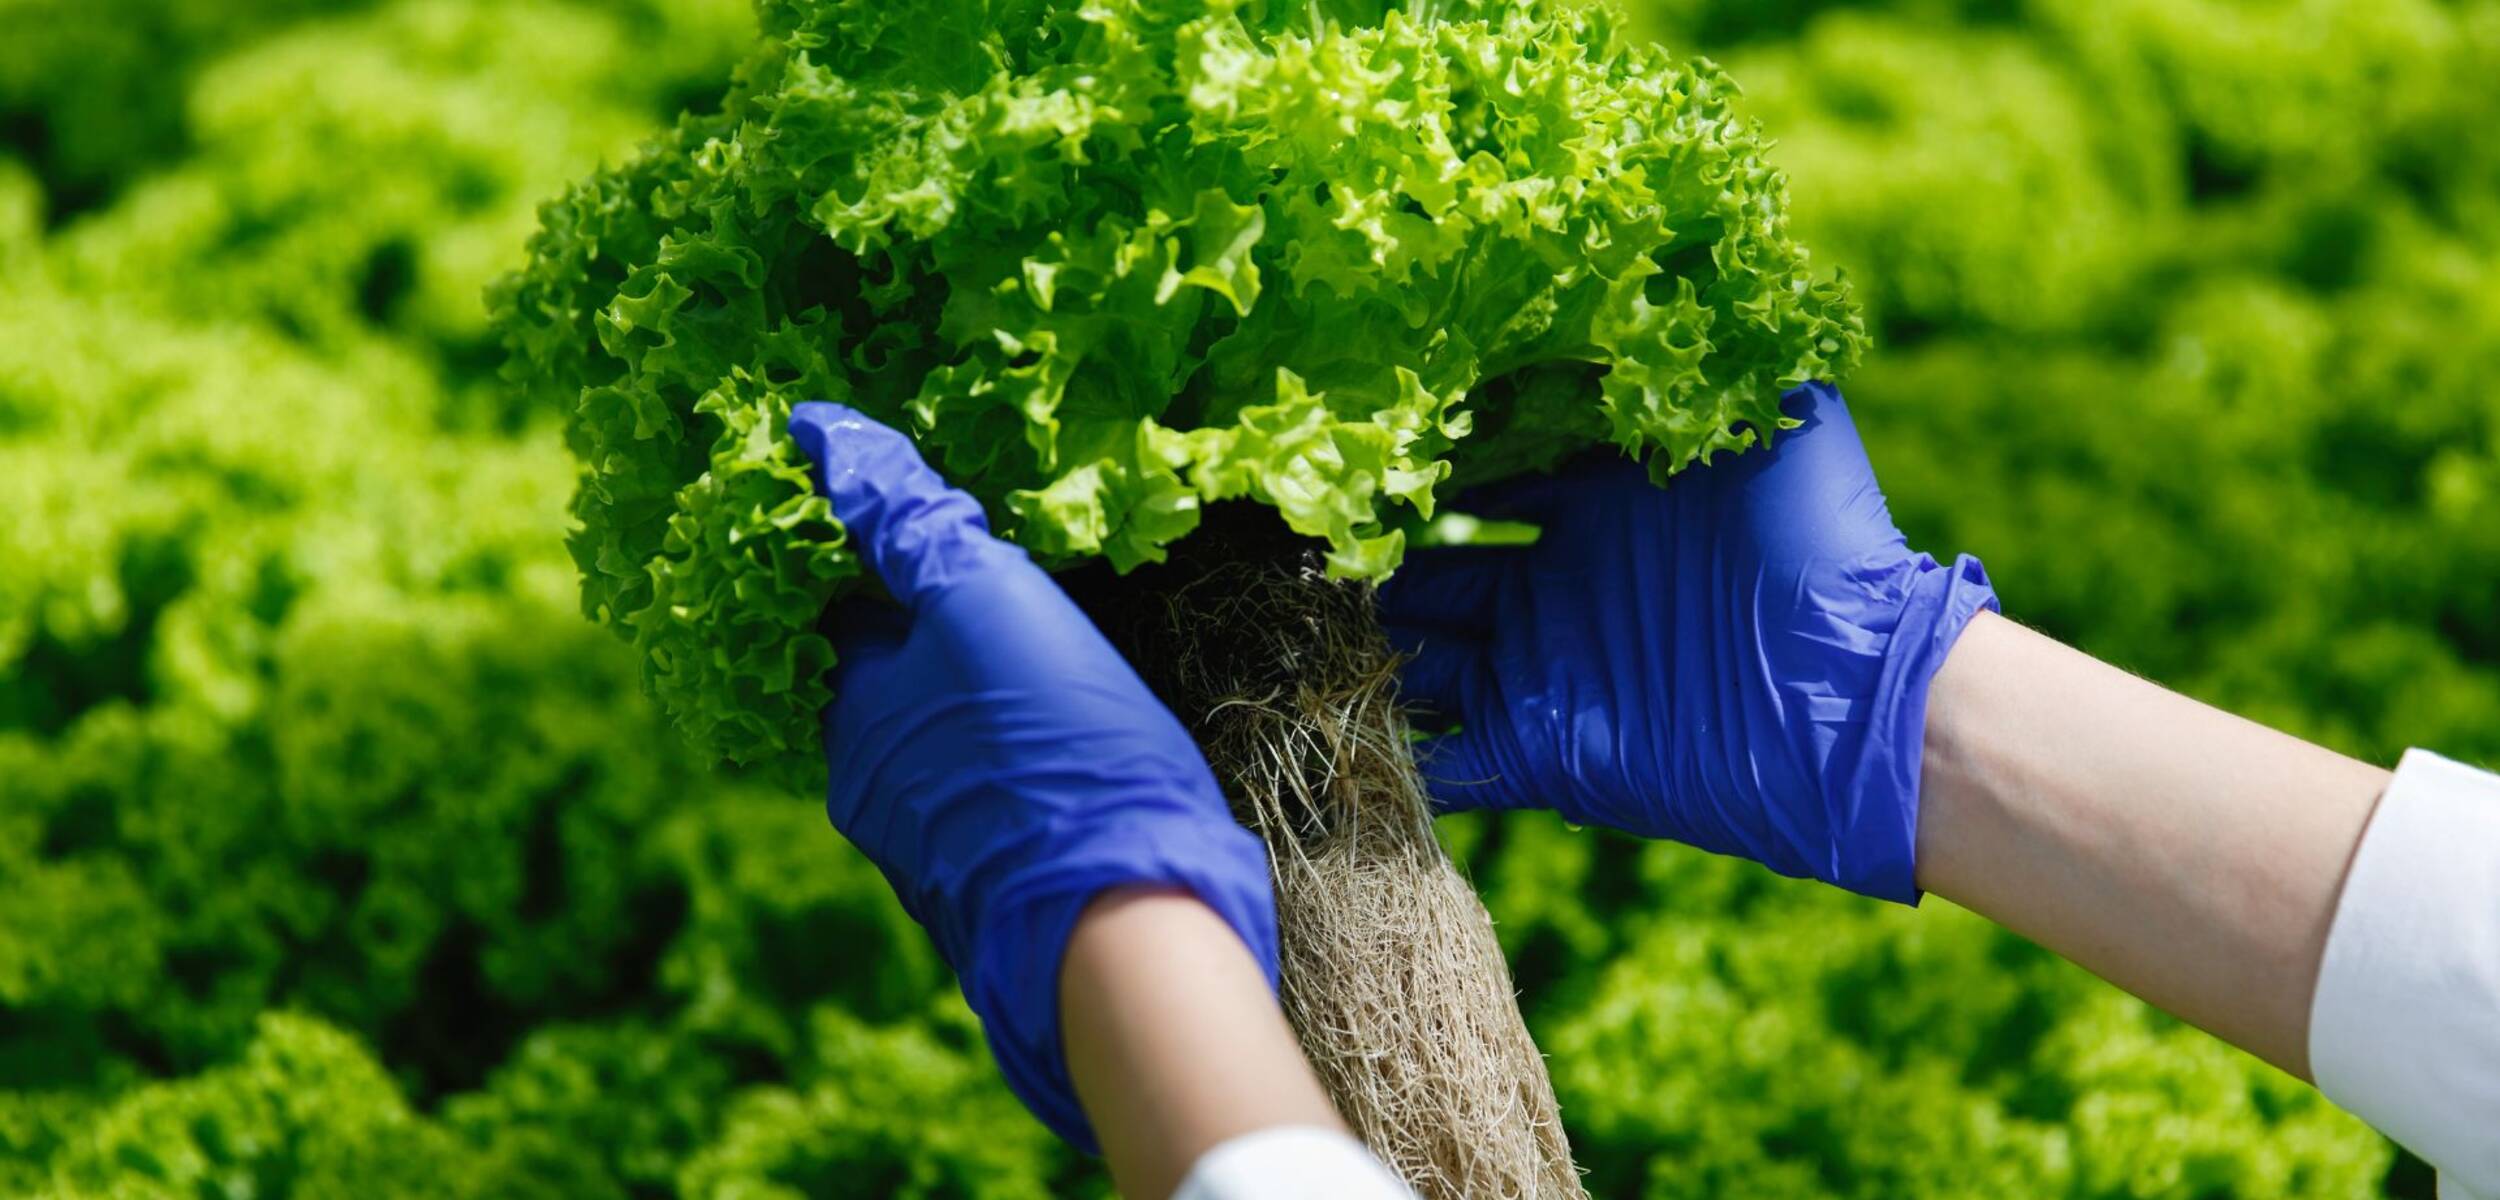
<point x="2405" y="1029"/>
<point x="1291" y="1164"/>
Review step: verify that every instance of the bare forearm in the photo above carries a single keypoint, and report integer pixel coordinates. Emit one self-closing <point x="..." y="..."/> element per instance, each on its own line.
<point x="2182" y="853"/>
<point x="1173" y="1039"/>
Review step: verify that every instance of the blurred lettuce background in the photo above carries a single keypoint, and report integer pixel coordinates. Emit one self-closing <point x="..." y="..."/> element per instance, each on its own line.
<point x="340" y="856"/>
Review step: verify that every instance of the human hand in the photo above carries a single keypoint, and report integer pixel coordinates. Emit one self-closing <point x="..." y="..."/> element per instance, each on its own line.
<point x="1738" y="660"/>
<point x="998" y="760"/>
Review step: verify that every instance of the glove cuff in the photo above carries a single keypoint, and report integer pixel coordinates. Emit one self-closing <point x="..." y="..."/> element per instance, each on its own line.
<point x="1011" y="976"/>
<point x="1881" y="791"/>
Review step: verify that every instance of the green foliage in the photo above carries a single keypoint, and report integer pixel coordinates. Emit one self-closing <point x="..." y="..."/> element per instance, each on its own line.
<point x="898" y="1113"/>
<point x="92" y="90"/>
<point x="1112" y="262"/>
<point x="98" y="93"/>
<point x="375" y="174"/>
<point x="342" y="857"/>
<point x="306" y="1111"/>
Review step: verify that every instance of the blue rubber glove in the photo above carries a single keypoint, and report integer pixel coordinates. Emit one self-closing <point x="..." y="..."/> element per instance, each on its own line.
<point x="998" y="760"/>
<point x="1738" y="660"/>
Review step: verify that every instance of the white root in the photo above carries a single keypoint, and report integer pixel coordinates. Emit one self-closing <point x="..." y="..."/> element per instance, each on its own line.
<point x="1392" y="977"/>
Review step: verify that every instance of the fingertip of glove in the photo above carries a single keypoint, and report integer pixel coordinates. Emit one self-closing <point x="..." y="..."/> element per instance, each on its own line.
<point x="848" y="446"/>
<point x="814" y="423"/>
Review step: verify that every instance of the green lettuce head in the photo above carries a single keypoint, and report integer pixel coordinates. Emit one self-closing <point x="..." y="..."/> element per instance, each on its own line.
<point x="1109" y="261"/>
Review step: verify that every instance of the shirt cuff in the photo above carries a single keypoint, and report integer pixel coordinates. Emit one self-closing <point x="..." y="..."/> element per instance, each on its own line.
<point x="1291" y="1163"/>
<point x="2404" y="1030"/>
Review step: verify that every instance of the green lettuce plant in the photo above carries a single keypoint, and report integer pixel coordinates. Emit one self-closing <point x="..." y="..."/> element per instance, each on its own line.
<point x="1113" y="262"/>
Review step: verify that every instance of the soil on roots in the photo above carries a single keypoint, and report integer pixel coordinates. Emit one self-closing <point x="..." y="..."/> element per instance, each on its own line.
<point x="1392" y="978"/>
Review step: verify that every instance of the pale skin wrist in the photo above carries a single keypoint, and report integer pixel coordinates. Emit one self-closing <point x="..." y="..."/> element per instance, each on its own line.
<point x="1174" y="1041"/>
<point x="2190" y="856"/>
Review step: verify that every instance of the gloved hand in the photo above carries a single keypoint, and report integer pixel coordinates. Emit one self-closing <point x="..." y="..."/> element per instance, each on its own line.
<point x="998" y="760"/>
<point x="1738" y="660"/>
